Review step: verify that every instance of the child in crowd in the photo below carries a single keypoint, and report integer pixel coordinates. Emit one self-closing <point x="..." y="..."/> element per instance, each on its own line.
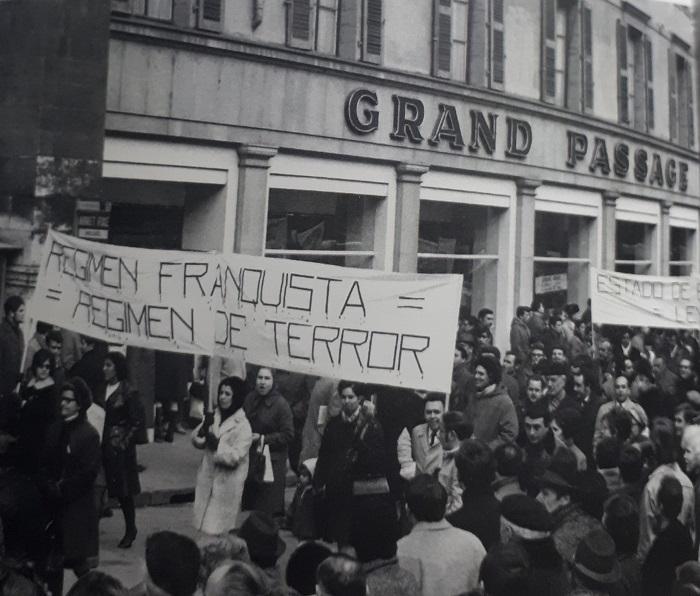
<point x="300" y="517"/>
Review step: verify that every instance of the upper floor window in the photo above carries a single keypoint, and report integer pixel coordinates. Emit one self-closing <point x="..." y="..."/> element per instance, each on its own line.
<point x="635" y="77"/>
<point x="567" y="54"/>
<point x="360" y="29"/>
<point x="486" y="43"/>
<point x="450" y="26"/>
<point x="203" y="14"/>
<point x="680" y="102"/>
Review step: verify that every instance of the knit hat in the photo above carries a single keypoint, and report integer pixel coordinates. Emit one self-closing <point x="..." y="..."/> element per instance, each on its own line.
<point x="526" y="513"/>
<point x="595" y="558"/>
<point x="505" y="569"/>
<point x="492" y="367"/>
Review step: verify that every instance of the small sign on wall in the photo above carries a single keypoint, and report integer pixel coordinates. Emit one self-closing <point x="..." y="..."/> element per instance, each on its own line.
<point x="546" y="284"/>
<point x="92" y="219"/>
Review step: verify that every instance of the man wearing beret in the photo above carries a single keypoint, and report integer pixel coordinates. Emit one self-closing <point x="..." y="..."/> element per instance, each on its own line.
<point x="492" y="412"/>
<point x="527" y="523"/>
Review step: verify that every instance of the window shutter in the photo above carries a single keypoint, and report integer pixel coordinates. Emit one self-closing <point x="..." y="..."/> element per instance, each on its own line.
<point x="649" y="75"/>
<point x="442" y="38"/>
<point x="497" y="45"/>
<point x="477" y="40"/>
<point x="691" y="112"/>
<point x="300" y="24"/>
<point x="349" y="29"/>
<point x="672" y="96"/>
<point x="587" y="45"/>
<point x="122" y="6"/>
<point x="549" y="50"/>
<point x="623" y="76"/>
<point x="372" y="38"/>
<point x="210" y="14"/>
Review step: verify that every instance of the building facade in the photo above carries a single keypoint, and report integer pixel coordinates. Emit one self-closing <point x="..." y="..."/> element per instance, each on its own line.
<point x="517" y="142"/>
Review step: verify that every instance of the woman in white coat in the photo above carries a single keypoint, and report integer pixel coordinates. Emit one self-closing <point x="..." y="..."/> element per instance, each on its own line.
<point x="226" y="438"/>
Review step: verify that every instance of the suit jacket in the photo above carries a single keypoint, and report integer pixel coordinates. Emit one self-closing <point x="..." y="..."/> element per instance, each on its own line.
<point x="11" y="349"/>
<point x="416" y="454"/>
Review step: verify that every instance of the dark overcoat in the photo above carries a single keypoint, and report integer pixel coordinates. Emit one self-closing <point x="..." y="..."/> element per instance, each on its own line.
<point x="72" y="462"/>
<point x="122" y="423"/>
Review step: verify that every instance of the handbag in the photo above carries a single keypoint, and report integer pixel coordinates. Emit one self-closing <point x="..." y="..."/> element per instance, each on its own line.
<point x="256" y="466"/>
<point x="268" y="475"/>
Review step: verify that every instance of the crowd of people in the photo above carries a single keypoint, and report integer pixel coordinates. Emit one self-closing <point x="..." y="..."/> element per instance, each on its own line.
<point x="568" y="464"/>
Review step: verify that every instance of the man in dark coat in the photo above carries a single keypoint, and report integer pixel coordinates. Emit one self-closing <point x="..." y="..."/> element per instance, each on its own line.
<point x="71" y="463"/>
<point x="520" y="333"/>
<point x="11" y="344"/>
<point x="587" y="403"/>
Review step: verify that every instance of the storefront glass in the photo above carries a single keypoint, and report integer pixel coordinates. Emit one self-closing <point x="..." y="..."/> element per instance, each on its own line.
<point x="563" y="247"/>
<point x="682" y="246"/>
<point x="634" y="247"/>
<point x="332" y="228"/>
<point x="456" y="238"/>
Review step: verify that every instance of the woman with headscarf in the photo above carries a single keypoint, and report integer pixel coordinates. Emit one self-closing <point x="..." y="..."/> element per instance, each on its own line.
<point x="226" y="438"/>
<point x="122" y="423"/>
<point x="38" y="409"/>
<point x="71" y="464"/>
<point x="271" y="420"/>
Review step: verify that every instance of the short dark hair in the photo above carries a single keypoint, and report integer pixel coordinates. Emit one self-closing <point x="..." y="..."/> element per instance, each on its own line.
<point x="55" y="337"/>
<point x="360" y="389"/>
<point x="686" y="410"/>
<point x="670" y="497"/>
<point x="607" y="453"/>
<point x="509" y="459"/>
<point x="119" y="361"/>
<point x="43" y="328"/>
<point x="97" y="583"/>
<point x="521" y="310"/>
<point x="492" y="367"/>
<point x="630" y="464"/>
<point x="536" y="303"/>
<point x="538" y="409"/>
<point x="587" y="379"/>
<point x="569" y="421"/>
<point x="374" y="529"/>
<point x="554" y="319"/>
<point x="303" y="562"/>
<point x="458" y="423"/>
<point x="538" y="379"/>
<point x="620" y="424"/>
<point x="426" y="498"/>
<point x="483" y="312"/>
<point x="622" y="523"/>
<point x="461" y="349"/>
<point x="342" y="575"/>
<point x="435" y="396"/>
<point x="172" y="561"/>
<point x="512" y="353"/>
<point x="40" y="357"/>
<point x="12" y="304"/>
<point x="663" y="438"/>
<point x="475" y="463"/>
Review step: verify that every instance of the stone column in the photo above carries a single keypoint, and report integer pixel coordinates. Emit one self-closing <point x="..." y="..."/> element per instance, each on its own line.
<point x="609" y="229"/>
<point x="408" y="180"/>
<point x="251" y="203"/>
<point x="525" y="240"/>
<point x="665" y="231"/>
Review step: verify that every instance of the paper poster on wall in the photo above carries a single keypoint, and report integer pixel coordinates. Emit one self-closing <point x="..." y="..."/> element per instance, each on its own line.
<point x="385" y="328"/>
<point x="645" y="300"/>
<point x="546" y="284"/>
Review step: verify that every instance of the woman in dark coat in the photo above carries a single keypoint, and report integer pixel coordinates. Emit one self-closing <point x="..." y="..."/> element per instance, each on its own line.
<point x="38" y="409"/>
<point x="71" y="464"/>
<point x="272" y="424"/>
<point x="352" y="466"/>
<point x="122" y="423"/>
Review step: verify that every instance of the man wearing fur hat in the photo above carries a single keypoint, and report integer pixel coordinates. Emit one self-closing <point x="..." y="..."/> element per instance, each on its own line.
<point x="492" y="412"/>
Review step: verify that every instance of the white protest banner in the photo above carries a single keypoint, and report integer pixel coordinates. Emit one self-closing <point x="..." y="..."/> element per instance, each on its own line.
<point x="365" y="325"/>
<point x="388" y="328"/>
<point x="140" y="297"/>
<point x="645" y="300"/>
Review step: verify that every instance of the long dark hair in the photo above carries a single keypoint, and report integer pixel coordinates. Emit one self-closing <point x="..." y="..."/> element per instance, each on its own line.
<point x="39" y="358"/>
<point x="238" y="388"/>
<point x="119" y="361"/>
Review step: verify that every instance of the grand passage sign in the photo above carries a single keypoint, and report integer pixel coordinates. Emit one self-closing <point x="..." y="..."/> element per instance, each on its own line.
<point x="395" y="329"/>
